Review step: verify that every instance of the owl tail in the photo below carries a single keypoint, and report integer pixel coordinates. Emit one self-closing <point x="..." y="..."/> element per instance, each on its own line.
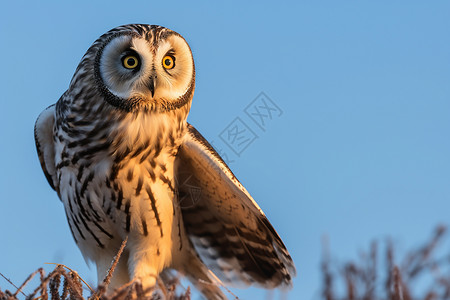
<point x="202" y="278"/>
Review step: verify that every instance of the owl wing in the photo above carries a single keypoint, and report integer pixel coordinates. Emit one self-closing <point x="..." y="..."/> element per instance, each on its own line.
<point x="227" y="228"/>
<point x="43" y="136"/>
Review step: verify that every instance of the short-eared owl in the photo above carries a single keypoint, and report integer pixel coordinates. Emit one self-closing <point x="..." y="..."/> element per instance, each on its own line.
<point x="117" y="149"/>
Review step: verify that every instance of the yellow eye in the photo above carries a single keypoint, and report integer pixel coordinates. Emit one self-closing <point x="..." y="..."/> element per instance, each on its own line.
<point x="130" y="62"/>
<point x="168" y="62"/>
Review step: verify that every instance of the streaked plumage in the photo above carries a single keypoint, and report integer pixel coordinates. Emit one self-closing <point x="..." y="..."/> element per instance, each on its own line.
<point x="117" y="149"/>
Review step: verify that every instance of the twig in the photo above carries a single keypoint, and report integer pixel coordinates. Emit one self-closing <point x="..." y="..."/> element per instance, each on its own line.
<point x="26" y="281"/>
<point x="10" y="282"/>
<point x="108" y="277"/>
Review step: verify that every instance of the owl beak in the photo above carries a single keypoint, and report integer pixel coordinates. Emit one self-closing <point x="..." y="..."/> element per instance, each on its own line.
<point x="151" y="85"/>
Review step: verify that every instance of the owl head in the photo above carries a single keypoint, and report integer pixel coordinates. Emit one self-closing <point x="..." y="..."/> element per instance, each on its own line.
<point x="140" y="68"/>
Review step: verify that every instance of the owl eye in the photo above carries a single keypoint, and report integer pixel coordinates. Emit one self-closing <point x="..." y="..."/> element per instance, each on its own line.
<point x="130" y="62"/>
<point x="168" y="62"/>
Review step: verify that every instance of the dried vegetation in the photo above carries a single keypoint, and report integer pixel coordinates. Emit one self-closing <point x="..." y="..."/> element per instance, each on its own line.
<point x="422" y="274"/>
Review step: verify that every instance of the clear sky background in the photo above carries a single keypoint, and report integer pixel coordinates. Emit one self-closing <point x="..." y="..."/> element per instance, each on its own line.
<point x="360" y="151"/>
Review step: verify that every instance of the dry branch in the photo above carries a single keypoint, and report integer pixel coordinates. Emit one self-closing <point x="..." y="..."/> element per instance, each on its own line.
<point x="406" y="279"/>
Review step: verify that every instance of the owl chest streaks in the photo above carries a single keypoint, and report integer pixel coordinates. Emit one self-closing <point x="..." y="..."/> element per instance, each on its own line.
<point x="117" y="179"/>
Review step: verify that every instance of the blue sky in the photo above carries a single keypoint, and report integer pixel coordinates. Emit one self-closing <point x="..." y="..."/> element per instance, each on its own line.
<point x="360" y="150"/>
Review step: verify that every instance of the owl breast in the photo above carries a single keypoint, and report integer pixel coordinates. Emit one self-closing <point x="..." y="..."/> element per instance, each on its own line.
<point x="122" y="185"/>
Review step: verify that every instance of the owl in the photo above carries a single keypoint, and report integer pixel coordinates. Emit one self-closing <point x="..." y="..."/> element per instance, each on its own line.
<point x="118" y="151"/>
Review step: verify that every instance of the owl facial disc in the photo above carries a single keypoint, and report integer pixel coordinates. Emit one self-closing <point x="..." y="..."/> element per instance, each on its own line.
<point x="151" y="71"/>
